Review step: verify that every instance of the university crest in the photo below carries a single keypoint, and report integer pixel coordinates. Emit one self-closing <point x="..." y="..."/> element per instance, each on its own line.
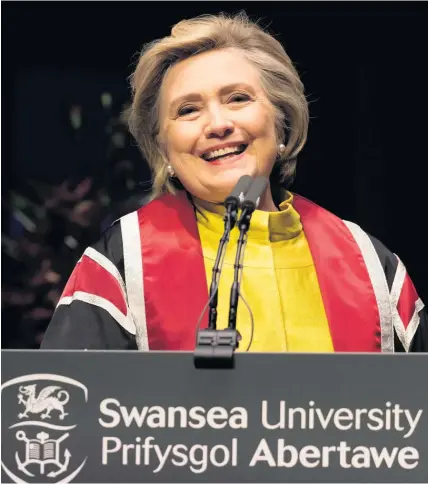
<point x="39" y="428"/>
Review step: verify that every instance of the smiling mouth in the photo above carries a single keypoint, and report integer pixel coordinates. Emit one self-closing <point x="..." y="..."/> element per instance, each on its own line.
<point x="238" y="150"/>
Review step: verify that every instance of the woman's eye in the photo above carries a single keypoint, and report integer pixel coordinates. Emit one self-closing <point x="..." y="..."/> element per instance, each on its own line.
<point x="239" y="97"/>
<point x="186" y="110"/>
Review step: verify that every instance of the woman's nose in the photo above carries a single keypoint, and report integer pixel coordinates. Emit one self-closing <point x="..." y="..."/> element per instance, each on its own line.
<point x="218" y="125"/>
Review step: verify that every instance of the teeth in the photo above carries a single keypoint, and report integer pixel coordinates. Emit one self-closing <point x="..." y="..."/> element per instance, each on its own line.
<point x="223" y="151"/>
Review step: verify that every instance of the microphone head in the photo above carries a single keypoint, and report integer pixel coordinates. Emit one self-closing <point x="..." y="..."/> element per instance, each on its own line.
<point x="238" y="193"/>
<point x="254" y="194"/>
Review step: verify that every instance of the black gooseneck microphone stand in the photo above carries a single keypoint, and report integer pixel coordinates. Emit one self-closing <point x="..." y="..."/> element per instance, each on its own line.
<point x="216" y="348"/>
<point x="212" y="345"/>
<point x="250" y="204"/>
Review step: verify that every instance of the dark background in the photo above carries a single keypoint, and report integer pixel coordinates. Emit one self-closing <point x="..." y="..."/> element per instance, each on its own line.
<point x="364" y="66"/>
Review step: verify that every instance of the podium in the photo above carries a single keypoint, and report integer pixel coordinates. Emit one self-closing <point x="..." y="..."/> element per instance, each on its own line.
<point x="127" y="417"/>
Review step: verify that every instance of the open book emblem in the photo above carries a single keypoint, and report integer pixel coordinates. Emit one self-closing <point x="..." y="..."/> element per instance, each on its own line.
<point x="42" y="451"/>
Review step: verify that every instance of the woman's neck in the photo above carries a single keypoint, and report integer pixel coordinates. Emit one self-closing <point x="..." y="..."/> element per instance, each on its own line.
<point x="266" y="203"/>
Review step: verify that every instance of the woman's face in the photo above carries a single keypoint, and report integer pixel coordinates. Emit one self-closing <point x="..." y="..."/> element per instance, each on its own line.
<point x="216" y="123"/>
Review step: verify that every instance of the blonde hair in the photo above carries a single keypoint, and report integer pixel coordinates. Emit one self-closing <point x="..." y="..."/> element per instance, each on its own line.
<point x="279" y="79"/>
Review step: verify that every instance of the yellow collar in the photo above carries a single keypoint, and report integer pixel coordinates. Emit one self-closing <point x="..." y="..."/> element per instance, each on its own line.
<point x="265" y="226"/>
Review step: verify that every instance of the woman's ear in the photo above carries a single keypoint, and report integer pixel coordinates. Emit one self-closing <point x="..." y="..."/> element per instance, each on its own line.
<point x="161" y="145"/>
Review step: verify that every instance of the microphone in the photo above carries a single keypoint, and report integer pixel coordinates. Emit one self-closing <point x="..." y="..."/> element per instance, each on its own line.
<point x="238" y="193"/>
<point x="211" y="343"/>
<point x="250" y="203"/>
<point x="254" y="194"/>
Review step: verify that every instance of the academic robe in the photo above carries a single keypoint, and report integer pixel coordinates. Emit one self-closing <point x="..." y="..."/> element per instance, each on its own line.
<point x="143" y="285"/>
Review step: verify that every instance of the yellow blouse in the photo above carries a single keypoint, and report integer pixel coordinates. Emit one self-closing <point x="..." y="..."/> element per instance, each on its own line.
<point x="279" y="281"/>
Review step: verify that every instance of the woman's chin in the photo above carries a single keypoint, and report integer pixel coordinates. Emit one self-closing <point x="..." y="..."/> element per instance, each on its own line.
<point x="215" y="187"/>
<point x="222" y="189"/>
<point x="229" y="178"/>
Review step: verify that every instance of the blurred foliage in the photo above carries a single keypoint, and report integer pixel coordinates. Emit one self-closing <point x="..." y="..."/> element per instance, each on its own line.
<point x="46" y="228"/>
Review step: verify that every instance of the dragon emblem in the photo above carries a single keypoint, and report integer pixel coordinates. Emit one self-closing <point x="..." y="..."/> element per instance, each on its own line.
<point x="45" y="401"/>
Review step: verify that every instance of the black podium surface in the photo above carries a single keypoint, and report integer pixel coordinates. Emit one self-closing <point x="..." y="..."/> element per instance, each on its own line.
<point x="93" y="416"/>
